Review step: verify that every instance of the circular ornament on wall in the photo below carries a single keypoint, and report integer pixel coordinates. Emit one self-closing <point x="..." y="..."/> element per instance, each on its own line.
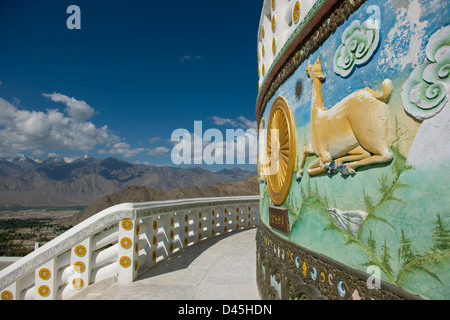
<point x="44" y="273"/>
<point x="125" y="262"/>
<point x="281" y="151"/>
<point x="79" y="266"/>
<point x="80" y="250"/>
<point x="127" y="224"/>
<point x="78" y="283"/>
<point x="6" y="295"/>
<point x="44" y="291"/>
<point x="296" y="12"/>
<point x="126" y="242"/>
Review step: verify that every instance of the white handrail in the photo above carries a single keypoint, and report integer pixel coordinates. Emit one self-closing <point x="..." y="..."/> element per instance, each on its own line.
<point x="122" y="241"/>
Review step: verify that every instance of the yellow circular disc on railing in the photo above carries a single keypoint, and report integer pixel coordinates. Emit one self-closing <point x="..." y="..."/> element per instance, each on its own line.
<point x="296" y="12"/>
<point x="6" y="295"/>
<point x="78" y="283"/>
<point x="155" y="225"/>
<point x="274" y="25"/>
<point x="186" y="229"/>
<point x="283" y="155"/>
<point x="126" y="242"/>
<point x="137" y="230"/>
<point x="172" y="222"/>
<point x="44" y="273"/>
<point x="125" y="261"/>
<point x="263" y="33"/>
<point x="154" y="256"/>
<point x="171" y="247"/>
<point x="154" y="240"/>
<point x="186" y="218"/>
<point x="44" y="291"/>
<point x="79" y="266"/>
<point x="136" y="265"/>
<point x="274" y="45"/>
<point x="127" y="224"/>
<point x="80" y="250"/>
<point x="171" y="234"/>
<point x="136" y="247"/>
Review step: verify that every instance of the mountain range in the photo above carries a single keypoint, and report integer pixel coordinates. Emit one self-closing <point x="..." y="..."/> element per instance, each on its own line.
<point x="26" y="181"/>
<point x="144" y="194"/>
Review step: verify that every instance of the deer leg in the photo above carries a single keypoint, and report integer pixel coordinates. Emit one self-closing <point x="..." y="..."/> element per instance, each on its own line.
<point x="381" y="157"/>
<point x="307" y="151"/>
<point x="316" y="167"/>
<point x="356" y="154"/>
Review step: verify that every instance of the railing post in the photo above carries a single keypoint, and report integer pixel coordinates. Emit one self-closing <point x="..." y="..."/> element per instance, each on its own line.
<point x="80" y="265"/>
<point x="9" y="293"/>
<point x="128" y="250"/>
<point x="45" y="281"/>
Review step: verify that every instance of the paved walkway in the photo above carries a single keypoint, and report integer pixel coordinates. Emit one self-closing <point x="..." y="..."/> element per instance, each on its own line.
<point x="221" y="268"/>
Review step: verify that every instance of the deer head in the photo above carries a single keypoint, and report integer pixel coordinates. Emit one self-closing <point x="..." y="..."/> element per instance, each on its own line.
<point x="315" y="71"/>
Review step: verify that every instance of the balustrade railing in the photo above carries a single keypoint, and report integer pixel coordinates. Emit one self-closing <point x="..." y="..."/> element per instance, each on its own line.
<point x="122" y="242"/>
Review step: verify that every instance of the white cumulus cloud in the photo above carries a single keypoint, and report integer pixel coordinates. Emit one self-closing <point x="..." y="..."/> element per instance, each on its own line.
<point x="158" y="151"/>
<point x="122" y="148"/>
<point x="24" y="130"/>
<point x="240" y="122"/>
<point x="80" y="111"/>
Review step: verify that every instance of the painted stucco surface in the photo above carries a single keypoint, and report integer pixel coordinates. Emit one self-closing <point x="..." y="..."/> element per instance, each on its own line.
<point x="405" y="224"/>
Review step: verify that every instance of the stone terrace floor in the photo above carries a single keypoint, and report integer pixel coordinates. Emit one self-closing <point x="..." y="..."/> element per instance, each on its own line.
<point x="220" y="268"/>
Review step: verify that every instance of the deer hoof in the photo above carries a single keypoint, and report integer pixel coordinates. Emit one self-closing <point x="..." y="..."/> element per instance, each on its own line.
<point x="331" y="167"/>
<point x="299" y="177"/>
<point x="345" y="170"/>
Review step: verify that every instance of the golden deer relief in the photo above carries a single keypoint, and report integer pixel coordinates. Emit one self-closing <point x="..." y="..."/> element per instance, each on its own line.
<point x="351" y="134"/>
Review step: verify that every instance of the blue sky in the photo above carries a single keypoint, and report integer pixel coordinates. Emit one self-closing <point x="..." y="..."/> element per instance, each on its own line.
<point x="134" y="73"/>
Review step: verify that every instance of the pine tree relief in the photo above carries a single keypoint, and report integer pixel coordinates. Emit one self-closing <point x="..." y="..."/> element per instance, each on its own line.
<point x="405" y="252"/>
<point x="441" y="235"/>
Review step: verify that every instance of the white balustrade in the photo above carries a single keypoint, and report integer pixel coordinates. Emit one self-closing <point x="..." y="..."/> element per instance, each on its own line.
<point x="122" y="242"/>
<point x="279" y="20"/>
